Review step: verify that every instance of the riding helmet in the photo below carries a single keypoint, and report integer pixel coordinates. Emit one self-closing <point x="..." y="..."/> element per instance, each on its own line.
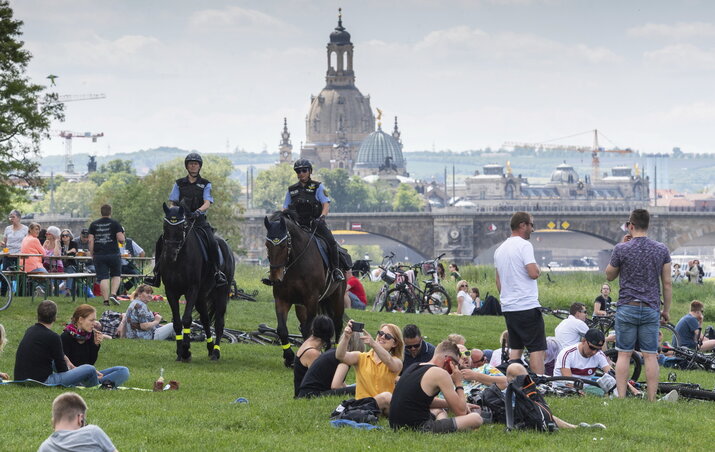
<point x="194" y="157"/>
<point x="302" y="163"/>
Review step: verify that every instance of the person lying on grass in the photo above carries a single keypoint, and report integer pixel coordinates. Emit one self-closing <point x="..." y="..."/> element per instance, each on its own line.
<point x="414" y="404"/>
<point x="376" y="370"/>
<point x="321" y="336"/>
<point x="326" y="376"/>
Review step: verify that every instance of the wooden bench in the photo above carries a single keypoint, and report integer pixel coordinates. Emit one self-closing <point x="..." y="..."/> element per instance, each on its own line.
<point x="51" y="278"/>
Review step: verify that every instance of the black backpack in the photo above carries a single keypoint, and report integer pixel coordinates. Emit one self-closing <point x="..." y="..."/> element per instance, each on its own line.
<point x="526" y="408"/>
<point x="491" y="399"/>
<point x="363" y="410"/>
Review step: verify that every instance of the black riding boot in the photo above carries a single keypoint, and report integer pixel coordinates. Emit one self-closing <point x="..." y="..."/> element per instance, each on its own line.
<point x="219" y="277"/>
<point x="154" y="280"/>
<point x="323" y="231"/>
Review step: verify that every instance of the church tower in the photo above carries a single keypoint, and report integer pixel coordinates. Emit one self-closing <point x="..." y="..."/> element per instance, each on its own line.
<point x="285" y="148"/>
<point x="340" y="117"/>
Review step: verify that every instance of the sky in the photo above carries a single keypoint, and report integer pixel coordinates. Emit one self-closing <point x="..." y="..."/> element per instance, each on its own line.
<point x="460" y="74"/>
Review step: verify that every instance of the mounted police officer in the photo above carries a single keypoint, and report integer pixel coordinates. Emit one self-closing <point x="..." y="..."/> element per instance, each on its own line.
<point x="308" y="200"/>
<point x="193" y="192"/>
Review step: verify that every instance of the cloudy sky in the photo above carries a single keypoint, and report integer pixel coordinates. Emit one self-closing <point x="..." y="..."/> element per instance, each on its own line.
<point x="460" y="74"/>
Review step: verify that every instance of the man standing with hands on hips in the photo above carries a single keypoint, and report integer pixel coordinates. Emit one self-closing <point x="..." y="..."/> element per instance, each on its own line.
<point x="516" y="274"/>
<point x="643" y="266"/>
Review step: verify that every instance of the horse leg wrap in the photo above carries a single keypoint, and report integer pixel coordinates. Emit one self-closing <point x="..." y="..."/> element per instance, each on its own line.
<point x="285" y="346"/>
<point x="216" y="347"/>
<point x="187" y="330"/>
<point x="179" y="337"/>
<point x="209" y="339"/>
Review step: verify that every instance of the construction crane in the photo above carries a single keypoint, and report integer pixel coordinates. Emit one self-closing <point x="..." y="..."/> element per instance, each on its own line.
<point x="595" y="150"/>
<point x="68" y="136"/>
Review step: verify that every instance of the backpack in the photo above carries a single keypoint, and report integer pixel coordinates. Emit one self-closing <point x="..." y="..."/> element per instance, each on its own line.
<point x="526" y="408"/>
<point x="490" y="306"/>
<point x="361" y="410"/>
<point x="491" y="399"/>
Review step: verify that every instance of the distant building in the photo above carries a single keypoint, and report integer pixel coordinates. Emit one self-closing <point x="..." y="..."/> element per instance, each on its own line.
<point x="381" y="154"/>
<point x="285" y="149"/>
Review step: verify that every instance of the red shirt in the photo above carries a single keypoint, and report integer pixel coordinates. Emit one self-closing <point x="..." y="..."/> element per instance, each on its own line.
<point x="357" y="288"/>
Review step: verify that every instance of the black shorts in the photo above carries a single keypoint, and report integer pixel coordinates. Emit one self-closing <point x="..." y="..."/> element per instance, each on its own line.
<point x="447" y="425"/>
<point x="526" y="330"/>
<point x="107" y="266"/>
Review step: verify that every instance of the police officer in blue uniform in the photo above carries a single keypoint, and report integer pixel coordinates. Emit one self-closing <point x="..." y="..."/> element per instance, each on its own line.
<point x="194" y="193"/>
<point x="307" y="199"/>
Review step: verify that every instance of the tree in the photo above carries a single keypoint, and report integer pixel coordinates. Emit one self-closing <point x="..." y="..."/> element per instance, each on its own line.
<point x="26" y="111"/>
<point x="269" y="188"/>
<point x="407" y="199"/>
<point x="70" y="197"/>
<point x="112" y="167"/>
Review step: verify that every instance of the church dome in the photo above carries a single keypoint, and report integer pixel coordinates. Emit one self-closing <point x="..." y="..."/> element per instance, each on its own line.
<point x="340" y="36"/>
<point x="564" y="174"/>
<point x="377" y="148"/>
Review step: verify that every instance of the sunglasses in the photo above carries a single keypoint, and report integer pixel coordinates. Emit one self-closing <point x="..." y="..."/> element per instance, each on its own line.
<point x="301" y="170"/>
<point x="64" y="235"/>
<point x="595" y="349"/>
<point x="628" y="223"/>
<point x="466" y="353"/>
<point x="410" y="347"/>
<point x="387" y="336"/>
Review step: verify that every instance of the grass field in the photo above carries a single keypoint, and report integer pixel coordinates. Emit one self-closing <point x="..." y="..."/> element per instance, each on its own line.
<point x="200" y="414"/>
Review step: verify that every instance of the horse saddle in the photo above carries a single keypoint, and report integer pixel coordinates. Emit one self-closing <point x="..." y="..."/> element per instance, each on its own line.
<point x="345" y="261"/>
<point x="201" y="234"/>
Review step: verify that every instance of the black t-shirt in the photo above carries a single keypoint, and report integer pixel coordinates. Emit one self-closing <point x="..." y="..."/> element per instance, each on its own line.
<point x="605" y="303"/>
<point x="410" y="406"/>
<point x="105" y="231"/>
<point x="38" y="350"/>
<point x="320" y="374"/>
<point x="72" y="245"/>
<point x="84" y="353"/>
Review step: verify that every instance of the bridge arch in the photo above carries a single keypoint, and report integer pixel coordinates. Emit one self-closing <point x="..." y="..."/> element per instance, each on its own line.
<point x="341" y="234"/>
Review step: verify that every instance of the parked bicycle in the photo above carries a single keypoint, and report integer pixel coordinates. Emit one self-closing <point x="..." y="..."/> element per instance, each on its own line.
<point x="388" y="276"/>
<point x="689" y="359"/>
<point x="7" y="298"/>
<point x="410" y="297"/>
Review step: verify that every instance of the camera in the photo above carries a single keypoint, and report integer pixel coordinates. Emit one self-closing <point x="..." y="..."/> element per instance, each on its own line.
<point x="357" y="327"/>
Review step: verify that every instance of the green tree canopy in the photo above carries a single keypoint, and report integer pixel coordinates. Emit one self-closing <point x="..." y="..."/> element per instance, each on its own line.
<point x="269" y="188"/>
<point x="73" y="198"/>
<point x="112" y="167"/>
<point x="407" y="199"/>
<point x="26" y="111"/>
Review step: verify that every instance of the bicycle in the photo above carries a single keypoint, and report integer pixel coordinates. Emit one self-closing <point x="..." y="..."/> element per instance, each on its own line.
<point x="7" y="298"/>
<point x="411" y="298"/>
<point x="269" y="336"/>
<point x="388" y="276"/>
<point x="239" y="294"/>
<point x="690" y="359"/>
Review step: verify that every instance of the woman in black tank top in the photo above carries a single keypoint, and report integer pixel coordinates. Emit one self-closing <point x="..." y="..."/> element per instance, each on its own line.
<point x="322" y="332"/>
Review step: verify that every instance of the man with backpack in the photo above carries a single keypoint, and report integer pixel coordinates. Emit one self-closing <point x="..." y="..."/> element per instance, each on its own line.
<point x="414" y="404"/>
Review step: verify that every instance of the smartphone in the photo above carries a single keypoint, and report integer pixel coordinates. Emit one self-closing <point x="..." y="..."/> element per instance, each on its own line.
<point x="357" y="327"/>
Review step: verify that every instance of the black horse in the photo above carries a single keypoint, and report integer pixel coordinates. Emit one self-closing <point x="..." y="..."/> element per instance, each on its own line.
<point x="299" y="278"/>
<point x="186" y="272"/>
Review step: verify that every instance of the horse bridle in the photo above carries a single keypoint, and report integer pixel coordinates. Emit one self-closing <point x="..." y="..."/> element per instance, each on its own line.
<point x="184" y="231"/>
<point x="287" y="238"/>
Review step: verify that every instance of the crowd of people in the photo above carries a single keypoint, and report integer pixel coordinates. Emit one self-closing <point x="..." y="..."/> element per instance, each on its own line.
<point x="54" y="251"/>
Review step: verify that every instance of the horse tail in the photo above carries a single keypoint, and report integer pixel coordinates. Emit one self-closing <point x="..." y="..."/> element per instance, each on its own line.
<point x="218" y="302"/>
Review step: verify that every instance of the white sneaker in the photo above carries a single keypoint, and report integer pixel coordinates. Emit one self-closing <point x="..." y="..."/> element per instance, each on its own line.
<point x="672" y="396"/>
<point x="39" y="292"/>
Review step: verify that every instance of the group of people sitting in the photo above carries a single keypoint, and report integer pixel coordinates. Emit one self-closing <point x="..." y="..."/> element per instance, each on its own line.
<point x="68" y="359"/>
<point x="413" y="382"/>
<point x="50" y="244"/>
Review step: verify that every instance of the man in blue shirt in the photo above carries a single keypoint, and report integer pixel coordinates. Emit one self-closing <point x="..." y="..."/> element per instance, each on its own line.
<point x="193" y="193"/>
<point x="417" y="350"/>
<point x="307" y="199"/>
<point x="689" y="328"/>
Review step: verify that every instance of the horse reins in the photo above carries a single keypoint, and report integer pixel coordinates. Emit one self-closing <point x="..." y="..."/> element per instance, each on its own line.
<point x="287" y="237"/>
<point x="185" y="231"/>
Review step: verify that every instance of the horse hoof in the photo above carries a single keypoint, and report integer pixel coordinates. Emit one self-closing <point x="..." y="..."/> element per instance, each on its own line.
<point x="178" y="358"/>
<point x="288" y="364"/>
<point x="215" y="356"/>
<point x="186" y="360"/>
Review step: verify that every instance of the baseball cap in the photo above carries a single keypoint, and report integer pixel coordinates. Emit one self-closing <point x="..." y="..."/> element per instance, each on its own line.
<point x="595" y="337"/>
<point x="84" y="231"/>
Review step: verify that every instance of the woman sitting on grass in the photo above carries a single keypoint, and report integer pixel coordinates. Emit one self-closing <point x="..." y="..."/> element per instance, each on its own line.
<point x="376" y="370"/>
<point x="3" y="342"/>
<point x="326" y="376"/>
<point x="81" y="342"/>
<point x="322" y="331"/>
<point x="140" y="322"/>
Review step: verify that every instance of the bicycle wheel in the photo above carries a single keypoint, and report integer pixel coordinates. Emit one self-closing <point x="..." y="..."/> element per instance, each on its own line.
<point x="229" y="338"/>
<point x="636" y="365"/>
<point x="670" y="335"/>
<point x="437" y="301"/>
<point x="398" y="300"/>
<point x="7" y="298"/>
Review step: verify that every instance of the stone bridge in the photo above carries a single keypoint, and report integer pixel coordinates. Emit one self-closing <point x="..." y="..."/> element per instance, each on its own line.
<point x="462" y="234"/>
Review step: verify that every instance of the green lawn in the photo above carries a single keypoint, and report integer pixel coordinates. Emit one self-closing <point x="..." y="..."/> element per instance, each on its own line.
<point x="201" y="414"/>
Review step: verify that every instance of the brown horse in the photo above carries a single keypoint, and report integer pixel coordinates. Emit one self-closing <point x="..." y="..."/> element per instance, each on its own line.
<point x="299" y="278"/>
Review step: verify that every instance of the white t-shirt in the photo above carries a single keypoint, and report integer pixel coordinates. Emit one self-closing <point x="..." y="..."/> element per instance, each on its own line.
<point x="467" y="303"/>
<point x="581" y="367"/>
<point x="13" y="238"/>
<point x="518" y="291"/>
<point x="570" y="331"/>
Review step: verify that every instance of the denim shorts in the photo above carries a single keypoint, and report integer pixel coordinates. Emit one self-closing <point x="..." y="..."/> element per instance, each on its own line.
<point x="639" y="323"/>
